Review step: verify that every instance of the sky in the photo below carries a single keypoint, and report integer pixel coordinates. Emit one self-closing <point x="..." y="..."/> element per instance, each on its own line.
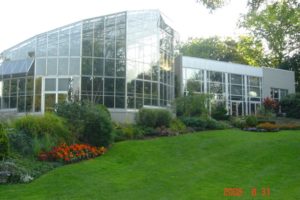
<point x="21" y="20"/>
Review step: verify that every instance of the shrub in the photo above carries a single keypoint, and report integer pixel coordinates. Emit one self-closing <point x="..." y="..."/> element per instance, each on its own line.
<point x="219" y="112"/>
<point x="129" y="131"/>
<point x="72" y="153"/>
<point x="270" y="104"/>
<point x="20" y="142"/>
<point x="91" y="123"/>
<point x="12" y="173"/>
<point x="238" y="122"/>
<point x="3" y="142"/>
<point x="97" y="127"/>
<point x="251" y="121"/>
<point x="192" y="105"/>
<point x="291" y="105"/>
<point x="196" y="123"/>
<point x="178" y="126"/>
<point x="47" y="124"/>
<point x="268" y="127"/>
<point x="154" y="117"/>
<point x="44" y="132"/>
<point x="289" y="127"/>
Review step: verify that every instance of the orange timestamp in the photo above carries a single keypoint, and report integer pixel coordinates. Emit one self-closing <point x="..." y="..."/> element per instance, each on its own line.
<point x="238" y="192"/>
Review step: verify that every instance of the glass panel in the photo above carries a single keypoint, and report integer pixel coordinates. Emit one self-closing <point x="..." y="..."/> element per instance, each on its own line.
<point x="74" y="66"/>
<point x="21" y="87"/>
<point x="109" y="67"/>
<point x="216" y="87"/>
<point x="109" y="86"/>
<point x="38" y="86"/>
<point x="98" y="86"/>
<point x="29" y="103"/>
<point x="29" y="86"/>
<point x="236" y="90"/>
<point x="120" y="68"/>
<point x="87" y="66"/>
<point x="6" y="86"/>
<point x="63" y="84"/>
<point x="109" y="101"/>
<point x="236" y="79"/>
<point x="40" y="66"/>
<point x="50" y="84"/>
<point x="21" y="104"/>
<point x="86" y="85"/>
<point x="147" y="90"/>
<point x="13" y="87"/>
<point x="254" y="81"/>
<point x="62" y="98"/>
<point x="254" y="92"/>
<point x="51" y="66"/>
<point x="87" y="39"/>
<point x="120" y="87"/>
<point x="13" y="102"/>
<point x="283" y="93"/>
<point x="139" y="88"/>
<point x="49" y="102"/>
<point x="215" y="76"/>
<point x="63" y="66"/>
<point x="98" y="67"/>
<point x="75" y="41"/>
<point x="120" y="102"/>
<point x="37" y="105"/>
<point x="52" y="44"/>
<point x="5" y="102"/>
<point x="41" y="45"/>
<point x="64" y="43"/>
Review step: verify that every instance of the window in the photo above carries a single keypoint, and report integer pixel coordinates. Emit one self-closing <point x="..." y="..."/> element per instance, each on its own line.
<point x="278" y="94"/>
<point x="50" y="84"/>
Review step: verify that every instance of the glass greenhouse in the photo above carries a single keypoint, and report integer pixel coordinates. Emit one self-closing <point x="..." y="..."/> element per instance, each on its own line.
<point x="123" y="60"/>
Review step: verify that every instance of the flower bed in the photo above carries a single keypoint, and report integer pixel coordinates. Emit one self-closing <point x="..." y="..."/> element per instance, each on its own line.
<point x="72" y="153"/>
<point x="269" y="127"/>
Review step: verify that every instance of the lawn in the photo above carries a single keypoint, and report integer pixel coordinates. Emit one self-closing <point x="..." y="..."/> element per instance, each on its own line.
<point x="192" y="166"/>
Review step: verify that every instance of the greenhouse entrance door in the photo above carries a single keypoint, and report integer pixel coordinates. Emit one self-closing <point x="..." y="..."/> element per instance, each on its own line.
<point x="237" y="108"/>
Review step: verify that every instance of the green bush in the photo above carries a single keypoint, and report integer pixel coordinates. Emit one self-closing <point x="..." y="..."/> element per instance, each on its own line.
<point x="192" y="105"/>
<point x="47" y="124"/>
<point x="203" y="123"/>
<point x="97" y="127"/>
<point x="251" y="121"/>
<point x="291" y="105"/>
<point x="238" y="122"/>
<point x="219" y="112"/>
<point x="20" y="143"/>
<point x="154" y="117"/>
<point x="91" y="123"/>
<point x="3" y="142"/>
<point x="128" y="131"/>
<point x="178" y="126"/>
<point x="44" y="131"/>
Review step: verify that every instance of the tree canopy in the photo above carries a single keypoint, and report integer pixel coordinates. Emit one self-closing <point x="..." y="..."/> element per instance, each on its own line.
<point x="245" y="50"/>
<point x="279" y="26"/>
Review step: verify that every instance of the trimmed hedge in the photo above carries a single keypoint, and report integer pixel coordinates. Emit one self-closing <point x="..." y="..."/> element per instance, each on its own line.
<point x="154" y="117"/>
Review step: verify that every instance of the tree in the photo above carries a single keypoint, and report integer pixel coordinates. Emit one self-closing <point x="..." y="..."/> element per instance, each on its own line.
<point x="279" y="26"/>
<point x="245" y="50"/>
<point x="293" y="63"/>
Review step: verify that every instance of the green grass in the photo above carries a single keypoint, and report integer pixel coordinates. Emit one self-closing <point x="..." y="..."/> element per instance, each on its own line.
<point x="192" y="166"/>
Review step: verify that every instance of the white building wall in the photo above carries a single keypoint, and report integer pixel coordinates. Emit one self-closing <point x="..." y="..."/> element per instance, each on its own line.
<point x="277" y="78"/>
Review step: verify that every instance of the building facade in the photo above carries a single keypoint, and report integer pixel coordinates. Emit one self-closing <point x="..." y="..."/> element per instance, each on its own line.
<point x="123" y="60"/>
<point x="241" y="87"/>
